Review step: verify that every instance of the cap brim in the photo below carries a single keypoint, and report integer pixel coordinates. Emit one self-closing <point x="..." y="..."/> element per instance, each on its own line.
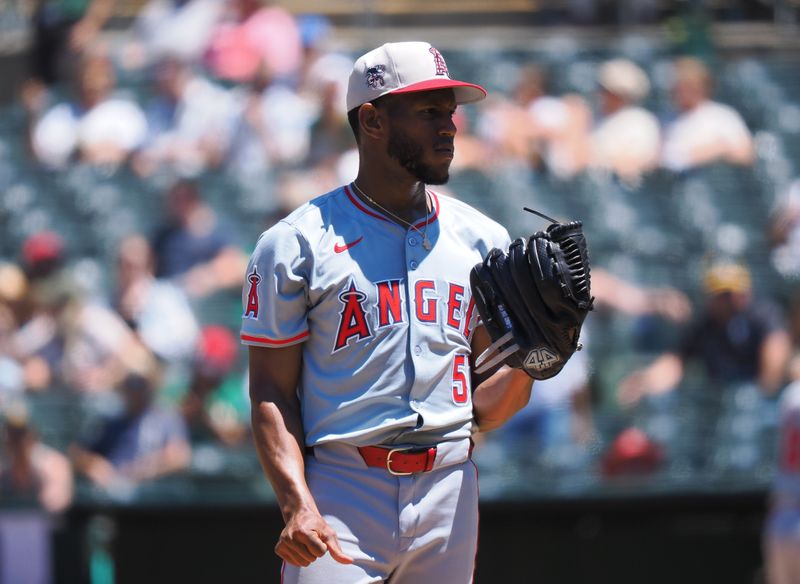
<point x="464" y="92"/>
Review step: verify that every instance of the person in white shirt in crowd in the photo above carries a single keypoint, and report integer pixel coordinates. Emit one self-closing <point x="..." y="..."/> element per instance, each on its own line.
<point x="177" y="28"/>
<point x="68" y="339"/>
<point x="559" y="126"/>
<point x="156" y="309"/>
<point x="534" y="127"/>
<point x="97" y="127"/>
<point x="627" y="138"/>
<point x="705" y="131"/>
<point x="189" y="120"/>
<point x="272" y="127"/>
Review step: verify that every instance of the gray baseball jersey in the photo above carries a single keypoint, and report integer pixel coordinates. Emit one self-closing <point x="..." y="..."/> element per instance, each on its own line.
<point x="386" y="323"/>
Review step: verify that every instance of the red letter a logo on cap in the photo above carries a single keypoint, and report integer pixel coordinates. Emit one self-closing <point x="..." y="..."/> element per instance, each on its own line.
<point x="252" y="294"/>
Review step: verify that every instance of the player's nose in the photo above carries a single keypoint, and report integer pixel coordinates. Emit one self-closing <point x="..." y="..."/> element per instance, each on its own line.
<point x="448" y="128"/>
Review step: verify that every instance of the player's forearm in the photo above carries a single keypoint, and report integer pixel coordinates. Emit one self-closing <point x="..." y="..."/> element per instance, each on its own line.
<point x="500" y="396"/>
<point x="278" y="436"/>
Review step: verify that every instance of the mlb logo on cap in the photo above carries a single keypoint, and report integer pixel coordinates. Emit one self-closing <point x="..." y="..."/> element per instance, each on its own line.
<point x="404" y="68"/>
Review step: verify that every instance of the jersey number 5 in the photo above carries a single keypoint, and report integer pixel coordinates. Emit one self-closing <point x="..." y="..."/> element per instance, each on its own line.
<point x="460" y="379"/>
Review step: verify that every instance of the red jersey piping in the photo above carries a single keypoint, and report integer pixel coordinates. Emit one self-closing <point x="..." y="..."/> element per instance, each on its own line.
<point x="274" y="342"/>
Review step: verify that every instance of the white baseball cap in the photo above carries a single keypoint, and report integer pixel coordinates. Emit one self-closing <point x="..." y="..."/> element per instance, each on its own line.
<point x="404" y="68"/>
<point x="624" y="78"/>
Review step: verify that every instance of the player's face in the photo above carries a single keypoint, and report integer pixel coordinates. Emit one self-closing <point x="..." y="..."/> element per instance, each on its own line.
<point x="421" y="133"/>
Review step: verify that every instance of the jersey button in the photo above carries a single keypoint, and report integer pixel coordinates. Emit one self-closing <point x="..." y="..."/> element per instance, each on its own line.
<point x="412" y="241"/>
<point x="418" y="350"/>
<point x="412" y="264"/>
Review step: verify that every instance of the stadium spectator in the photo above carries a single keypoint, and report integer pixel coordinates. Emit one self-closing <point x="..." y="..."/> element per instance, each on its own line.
<point x="29" y="469"/>
<point x="557" y="418"/>
<point x="627" y="139"/>
<point x="36" y="483"/>
<point x="179" y="29"/>
<point x="320" y="65"/>
<point x="42" y="255"/>
<point x="214" y="405"/>
<point x="509" y="124"/>
<point x="14" y="310"/>
<point x="737" y="339"/>
<point x="62" y="31"/>
<point x="189" y="121"/>
<point x="705" y="131"/>
<point x="96" y="128"/>
<point x="71" y="341"/>
<point x="156" y="309"/>
<point x="142" y="443"/>
<point x="272" y="128"/>
<point x="547" y="132"/>
<point x="253" y="32"/>
<point x="632" y="453"/>
<point x="613" y="293"/>
<point x="330" y="132"/>
<point x="14" y="305"/>
<point x="193" y="248"/>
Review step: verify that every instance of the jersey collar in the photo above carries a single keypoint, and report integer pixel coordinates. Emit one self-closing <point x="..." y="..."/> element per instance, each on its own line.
<point x="378" y="215"/>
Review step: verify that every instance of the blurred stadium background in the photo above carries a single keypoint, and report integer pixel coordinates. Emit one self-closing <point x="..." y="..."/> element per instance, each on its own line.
<point x="671" y="488"/>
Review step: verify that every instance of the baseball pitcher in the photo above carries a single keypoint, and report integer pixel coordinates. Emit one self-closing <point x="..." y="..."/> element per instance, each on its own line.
<point x="363" y="325"/>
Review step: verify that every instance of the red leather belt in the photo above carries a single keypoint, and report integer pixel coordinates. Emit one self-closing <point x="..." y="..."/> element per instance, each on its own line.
<point x="399" y="461"/>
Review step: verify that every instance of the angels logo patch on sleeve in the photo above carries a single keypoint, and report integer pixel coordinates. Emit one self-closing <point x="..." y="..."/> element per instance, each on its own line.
<point x="251" y="309"/>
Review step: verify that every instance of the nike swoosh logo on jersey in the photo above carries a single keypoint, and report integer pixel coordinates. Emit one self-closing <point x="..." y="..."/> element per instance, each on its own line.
<point x="340" y="248"/>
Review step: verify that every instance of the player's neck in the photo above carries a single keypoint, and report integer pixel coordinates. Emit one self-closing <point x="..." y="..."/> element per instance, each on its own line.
<point x="406" y="199"/>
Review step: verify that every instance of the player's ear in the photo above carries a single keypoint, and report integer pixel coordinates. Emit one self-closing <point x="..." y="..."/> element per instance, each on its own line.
<point x="371" y="122"/>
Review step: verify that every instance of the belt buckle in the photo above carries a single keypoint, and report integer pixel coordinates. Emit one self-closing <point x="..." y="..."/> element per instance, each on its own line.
<point x="389" y="462"/>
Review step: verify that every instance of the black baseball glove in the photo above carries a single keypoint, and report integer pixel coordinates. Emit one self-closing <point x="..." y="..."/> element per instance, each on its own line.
<point x="533" y="300"/>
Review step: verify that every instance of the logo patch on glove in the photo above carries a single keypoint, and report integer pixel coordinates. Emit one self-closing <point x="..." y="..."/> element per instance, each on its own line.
<point x="541" y="358"/>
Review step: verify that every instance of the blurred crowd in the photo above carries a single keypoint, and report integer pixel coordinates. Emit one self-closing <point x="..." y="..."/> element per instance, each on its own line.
<point x="246" y="90"/>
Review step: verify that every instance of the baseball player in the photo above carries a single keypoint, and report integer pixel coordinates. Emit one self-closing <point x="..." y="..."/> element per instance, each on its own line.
<point x="362" y="330"/>
<point x="782" y="537"/>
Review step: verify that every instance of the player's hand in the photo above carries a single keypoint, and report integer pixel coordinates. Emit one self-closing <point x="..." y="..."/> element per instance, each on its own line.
<point x="306" y="537"/>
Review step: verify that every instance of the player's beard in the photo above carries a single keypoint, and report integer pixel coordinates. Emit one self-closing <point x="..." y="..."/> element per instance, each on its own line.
<point x="409" y="154"/>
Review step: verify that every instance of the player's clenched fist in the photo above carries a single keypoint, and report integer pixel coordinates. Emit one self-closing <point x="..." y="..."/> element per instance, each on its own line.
<point x="306" y="537"/>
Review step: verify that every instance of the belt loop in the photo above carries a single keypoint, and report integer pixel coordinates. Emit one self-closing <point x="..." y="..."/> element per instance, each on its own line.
<point x="431" y="459"/>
